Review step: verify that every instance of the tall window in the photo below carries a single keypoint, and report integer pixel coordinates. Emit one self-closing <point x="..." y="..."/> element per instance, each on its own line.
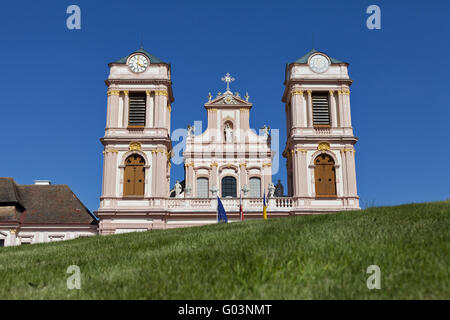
<point x="202" y="188"/>
<point x="2" y="242"/>
<point x="321" y="109"/>
<point x="136" y="113"/>
<point x="325" y="176"/>
<point x="134" y="176"/>
<point x="255" y="187"/>
<point x="229" y="187"/>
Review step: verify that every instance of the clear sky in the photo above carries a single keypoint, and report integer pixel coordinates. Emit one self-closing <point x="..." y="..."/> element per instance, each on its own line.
<point x="53" y="96"/>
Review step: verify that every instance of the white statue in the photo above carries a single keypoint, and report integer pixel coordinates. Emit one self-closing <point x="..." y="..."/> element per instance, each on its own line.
<point x="190" y="130"/>
<point x="245" y="190"/>
<point x="265" y="130"/>
<point x="214" y="191"/>
<point x="228" y="133"/>
<point x="177" y="189"/>
<point x="271" y="190"/>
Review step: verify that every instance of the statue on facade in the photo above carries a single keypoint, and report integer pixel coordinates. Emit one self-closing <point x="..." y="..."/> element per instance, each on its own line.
<point x="271" y="190"/>
<point x="266" y="131"/>
<point x="177" y="189"/>
<point x="190" y="131"/>
<point x="214" y="191"/>
<point x="228" y="133"/>
<point x="279" y="189"/>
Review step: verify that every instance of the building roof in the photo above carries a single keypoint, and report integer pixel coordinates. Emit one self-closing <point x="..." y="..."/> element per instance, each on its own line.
<point x="151" y="57"/>
<point x="305" y="58"/>
<point x="45" y="204"/>
<point x="9" y="195"/>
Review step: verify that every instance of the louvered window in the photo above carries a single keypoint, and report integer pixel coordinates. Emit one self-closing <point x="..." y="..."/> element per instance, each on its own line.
<point x="136" y="115"/>
<point x="321" y="109"/>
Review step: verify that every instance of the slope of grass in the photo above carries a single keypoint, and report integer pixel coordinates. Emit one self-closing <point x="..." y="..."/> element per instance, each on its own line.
<point x="306" y="257"/>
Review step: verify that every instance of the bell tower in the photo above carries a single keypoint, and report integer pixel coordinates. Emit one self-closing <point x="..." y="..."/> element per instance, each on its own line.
<point x="137" y="144"/>
<point x="320" y="142"/>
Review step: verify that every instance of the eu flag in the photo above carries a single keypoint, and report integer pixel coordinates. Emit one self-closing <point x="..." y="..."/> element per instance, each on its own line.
<point x="221" y="214"/>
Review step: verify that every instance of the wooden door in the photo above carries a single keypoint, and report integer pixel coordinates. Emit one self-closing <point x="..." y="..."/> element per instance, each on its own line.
<point x="325" y="176"/>
<point x="134" y="176"/>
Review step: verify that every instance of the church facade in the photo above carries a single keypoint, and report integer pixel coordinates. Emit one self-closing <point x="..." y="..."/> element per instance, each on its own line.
<point x="228" y="159"/>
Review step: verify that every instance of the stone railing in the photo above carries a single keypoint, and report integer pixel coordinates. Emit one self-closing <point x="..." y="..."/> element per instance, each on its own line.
<point x="230" y="204"/>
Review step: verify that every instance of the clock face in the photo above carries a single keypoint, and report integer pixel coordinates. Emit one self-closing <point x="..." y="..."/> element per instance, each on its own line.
<point x="319" y="63"/>
<point x="138" y="63"/>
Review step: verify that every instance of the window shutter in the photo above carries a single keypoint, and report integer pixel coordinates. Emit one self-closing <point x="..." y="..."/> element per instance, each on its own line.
<point x="136" y="116"/>
<point x="321" y="109"/>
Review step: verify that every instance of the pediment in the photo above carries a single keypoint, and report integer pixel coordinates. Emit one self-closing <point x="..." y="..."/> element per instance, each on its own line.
<point x="228" y="99"/>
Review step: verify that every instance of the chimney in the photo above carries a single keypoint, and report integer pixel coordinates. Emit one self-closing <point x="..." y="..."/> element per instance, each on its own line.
<point x="42" y="182"/>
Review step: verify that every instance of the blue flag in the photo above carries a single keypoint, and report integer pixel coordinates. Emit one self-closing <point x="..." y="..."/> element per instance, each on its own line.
<point x="221" y="214"/>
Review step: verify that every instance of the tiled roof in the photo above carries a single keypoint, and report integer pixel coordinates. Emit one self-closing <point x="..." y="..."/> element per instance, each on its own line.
<point x="151" y="57"/>
<point x="42" y="204"/>
<point x="305" y="58"/>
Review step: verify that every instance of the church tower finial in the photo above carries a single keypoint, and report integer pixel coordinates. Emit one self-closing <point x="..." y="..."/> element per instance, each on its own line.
<point x="228" y="78"/>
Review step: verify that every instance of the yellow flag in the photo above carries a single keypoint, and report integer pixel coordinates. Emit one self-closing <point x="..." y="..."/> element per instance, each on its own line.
<point x="264" y="207"/>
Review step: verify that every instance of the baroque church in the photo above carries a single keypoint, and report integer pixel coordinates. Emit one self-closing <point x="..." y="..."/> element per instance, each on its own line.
<point x="228" y="160"/>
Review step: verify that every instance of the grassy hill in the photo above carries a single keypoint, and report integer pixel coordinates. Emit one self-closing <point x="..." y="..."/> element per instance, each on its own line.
<point x="306" y="257"/>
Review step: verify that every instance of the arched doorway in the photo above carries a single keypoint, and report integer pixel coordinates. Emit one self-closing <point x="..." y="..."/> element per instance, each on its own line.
<point x="325" y="176"/>
<point x="229" y="187"/>
<point x="134" y="176"/>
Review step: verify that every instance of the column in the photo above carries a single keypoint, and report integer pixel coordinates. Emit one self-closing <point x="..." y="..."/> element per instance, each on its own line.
<point x="341" y="109"/>
<point x="310" y="110"/>
<point x="333" y="110"/>
<point x="344" y="172"/>
<point x="351" y="172"/>
<point x="299" y="105"/>
<point x="169" y="110"/>
<point x="347" y="104"/>
<point x="108" y="109"/>
<point x="113" y="173"/>
<point x="154" y="172"/>
<point x="149" y="109"/>
<point x="242" y="175"/>
<point x="156" y="110"/>
<point x="163" y="109"/>
<point x="214" y="176"/>
<point x="294" y="173"/>
<point x="303" y="173"/>
<point x="114" y="109"/>
<point x="294" y="109"/>
<point x="126" y="106"/>
<point x="267" y="177"/>
<point x="162" y="170"/>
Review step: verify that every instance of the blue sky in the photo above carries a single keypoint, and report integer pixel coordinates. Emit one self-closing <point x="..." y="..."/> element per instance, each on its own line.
<point x="53" y="96"/>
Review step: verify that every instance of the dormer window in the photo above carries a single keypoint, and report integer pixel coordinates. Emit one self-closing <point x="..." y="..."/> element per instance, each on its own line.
<point x="321" y="109"/>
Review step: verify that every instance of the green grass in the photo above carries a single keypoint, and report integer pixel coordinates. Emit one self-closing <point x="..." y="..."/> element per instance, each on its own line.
<point x="306" y="257"/>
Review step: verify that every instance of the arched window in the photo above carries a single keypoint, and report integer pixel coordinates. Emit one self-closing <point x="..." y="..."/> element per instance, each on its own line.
<point x="134" y="177"/>
<point x="229" y="187"/>
<point x="202" y="188"/>
<point x="255" y="187"/>
<point x="325" y="176"/>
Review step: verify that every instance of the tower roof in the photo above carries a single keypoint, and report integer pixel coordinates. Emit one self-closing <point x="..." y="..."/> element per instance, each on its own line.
<point x="151" y="57"/>
<point x="305" y="58"/>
